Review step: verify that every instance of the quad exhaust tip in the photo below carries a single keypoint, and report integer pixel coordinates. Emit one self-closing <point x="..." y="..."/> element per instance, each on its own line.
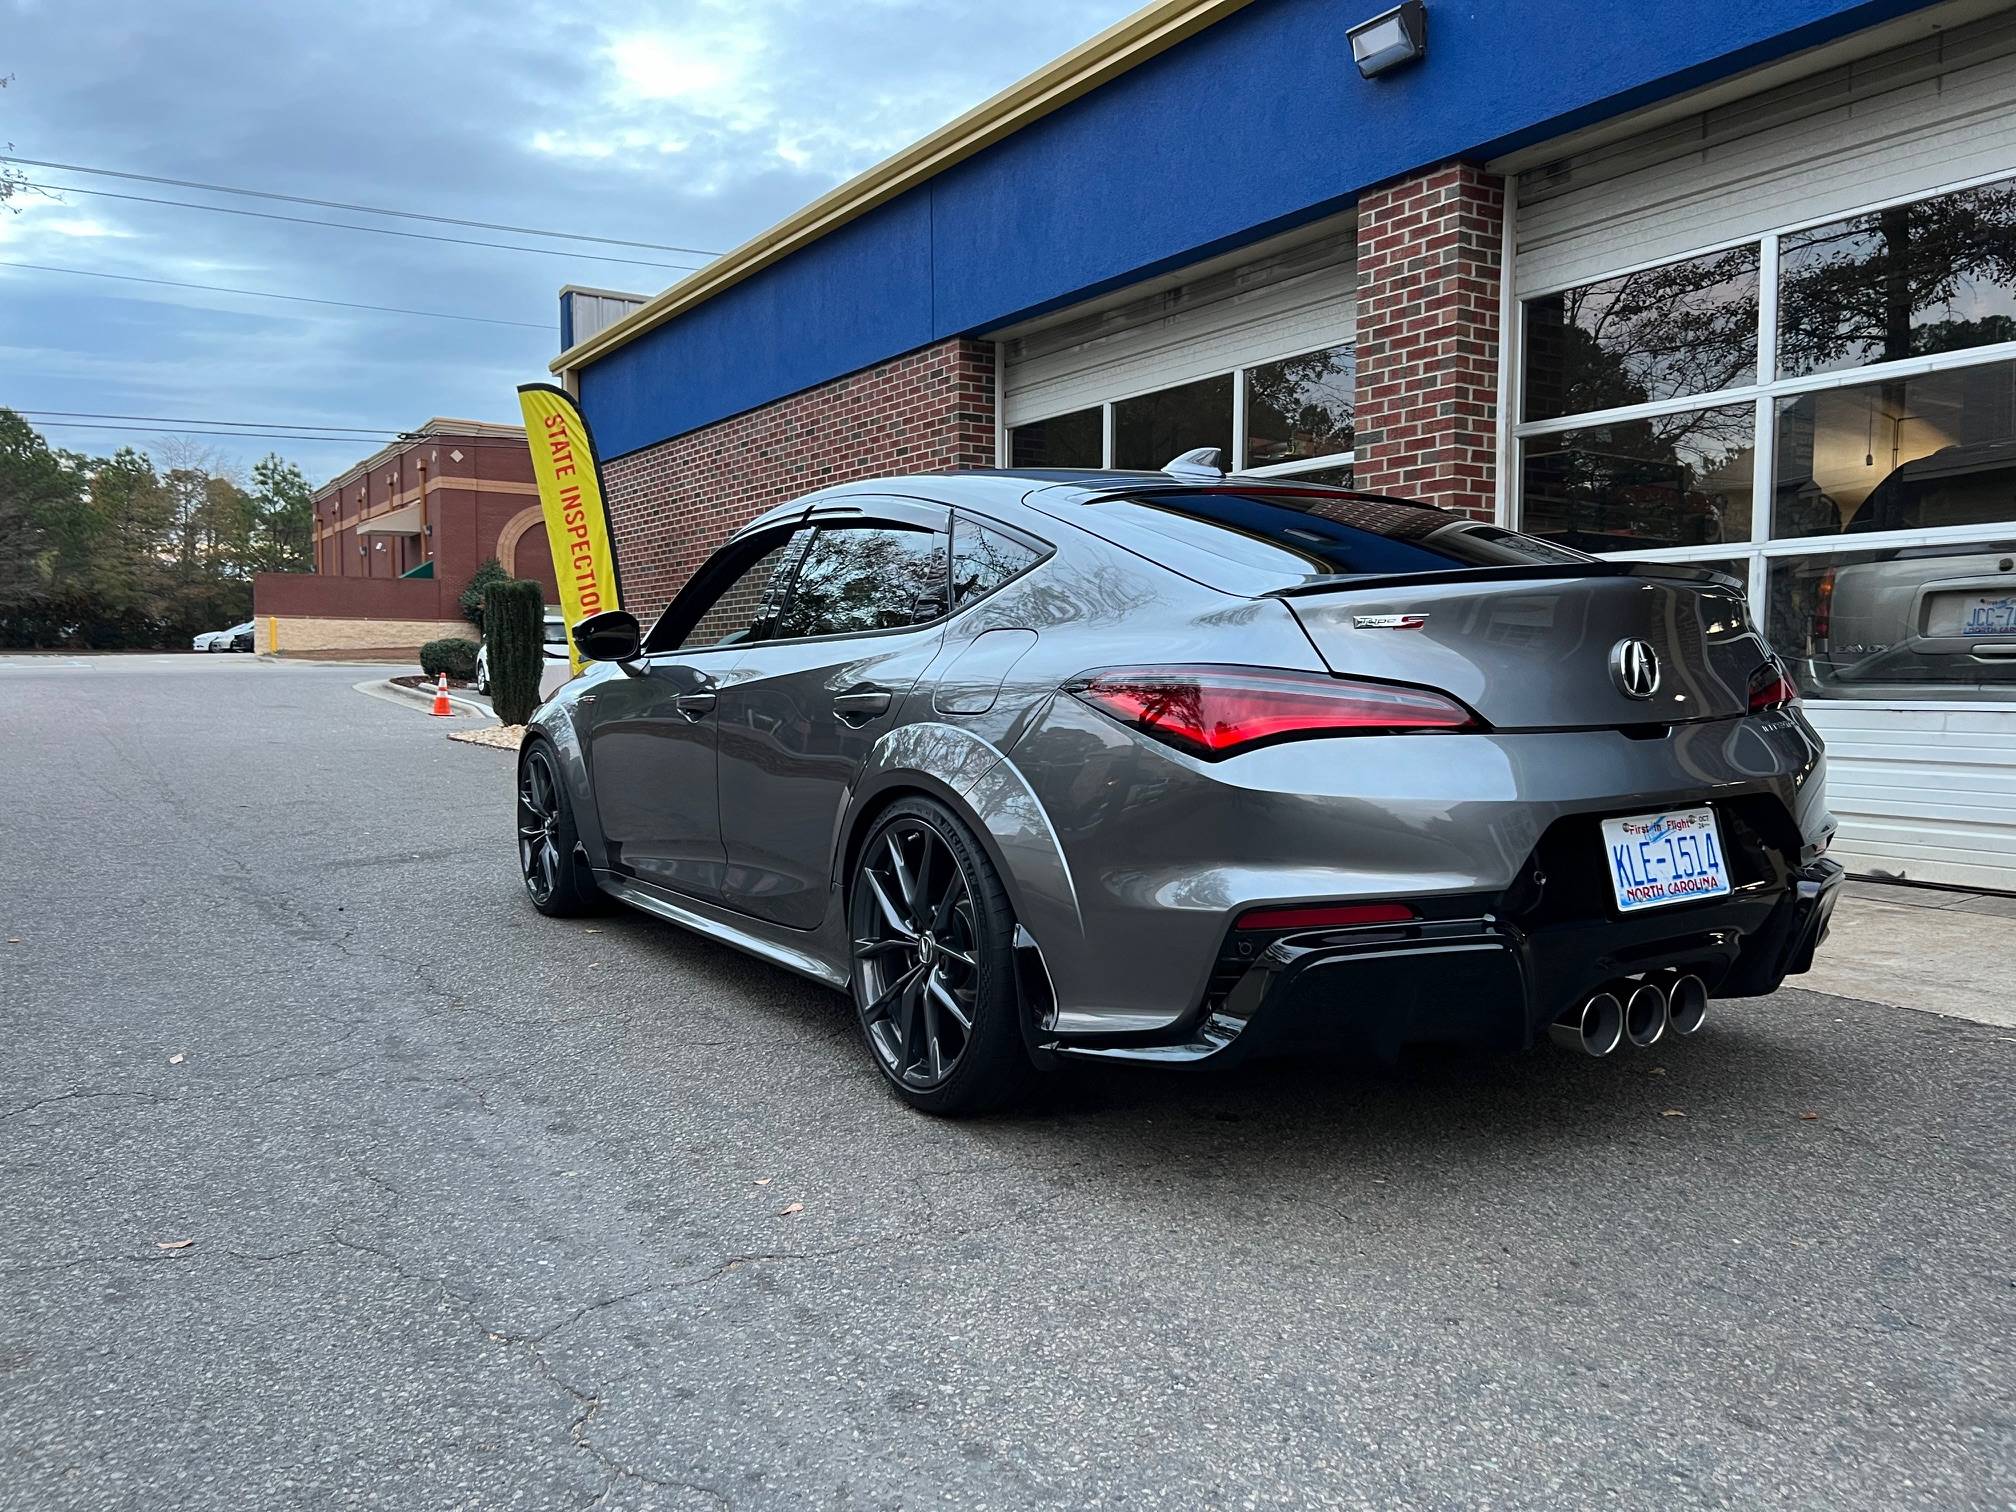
<point x="1686" y="1004"/>
<point x="1594" y="1027"/>
<point x="1642" y="1012"/>
<point x="1645" y="1015"/>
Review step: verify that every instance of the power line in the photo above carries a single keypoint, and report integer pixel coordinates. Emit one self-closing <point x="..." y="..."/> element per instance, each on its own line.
<point x="464" y="442"/>
<point x="145" y="430"/>
<point x="341" y="304"/>
<point x="302" y="220"/>
<point x="299" y="425"/>
<point x="299" y="199"/>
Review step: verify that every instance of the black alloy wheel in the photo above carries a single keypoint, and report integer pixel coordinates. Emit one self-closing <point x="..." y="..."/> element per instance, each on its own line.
<point x="553" y="877"/>
<point x="933" y="980"/>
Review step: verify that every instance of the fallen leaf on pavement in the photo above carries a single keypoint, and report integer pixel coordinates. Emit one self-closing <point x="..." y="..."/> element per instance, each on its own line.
<point x="1809" y="1117"/>
<point x="1672" y="1113"/>
<point x="177" y="1059"/>
<point x="786" y="1212"/>
<point x="765" y="1180"/>
<point x="1656" y="1071"/>
<point x="172" y="1244"/>
<point x="592" y="929"/>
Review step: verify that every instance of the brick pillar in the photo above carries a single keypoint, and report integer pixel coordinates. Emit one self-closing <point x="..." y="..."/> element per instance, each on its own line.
<point x="1427" y="400"/>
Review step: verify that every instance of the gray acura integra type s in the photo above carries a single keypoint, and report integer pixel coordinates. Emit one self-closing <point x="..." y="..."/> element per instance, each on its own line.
<point x="1164" y="767"/>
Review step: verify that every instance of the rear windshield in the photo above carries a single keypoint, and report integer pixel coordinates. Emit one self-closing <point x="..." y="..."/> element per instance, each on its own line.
<point x="1303" y="533"/>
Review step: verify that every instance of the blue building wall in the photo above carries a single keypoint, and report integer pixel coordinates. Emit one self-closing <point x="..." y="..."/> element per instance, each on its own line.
<point x="1251" y="127"/>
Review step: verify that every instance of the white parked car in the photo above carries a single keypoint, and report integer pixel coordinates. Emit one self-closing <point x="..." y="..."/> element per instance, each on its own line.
<point x="556" y="651"/>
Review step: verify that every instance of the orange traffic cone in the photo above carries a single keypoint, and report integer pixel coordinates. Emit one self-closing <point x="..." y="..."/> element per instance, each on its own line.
<point x="441" y="704"/>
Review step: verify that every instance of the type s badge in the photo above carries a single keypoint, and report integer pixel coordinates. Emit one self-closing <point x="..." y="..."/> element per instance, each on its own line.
<point x="570" y="496"/>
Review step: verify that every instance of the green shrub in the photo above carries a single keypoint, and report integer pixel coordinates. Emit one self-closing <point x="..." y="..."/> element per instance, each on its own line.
<point x="514" y="618"/>
<point x="453" y="655"/>
<point x="486" y="577"/>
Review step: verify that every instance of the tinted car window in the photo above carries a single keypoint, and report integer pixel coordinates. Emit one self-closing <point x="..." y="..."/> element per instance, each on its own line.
<point x="740" y="603"/>
<point x="860" y="578"/>
<point x="1317" y="533"/>
<point x="984" y="559"/>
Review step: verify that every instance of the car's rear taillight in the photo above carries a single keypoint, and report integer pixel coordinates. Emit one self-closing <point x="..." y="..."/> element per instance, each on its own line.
<point x="1771" y="687"/>
<point x="1214" y="712"/>
<point x="1823" y="607"/>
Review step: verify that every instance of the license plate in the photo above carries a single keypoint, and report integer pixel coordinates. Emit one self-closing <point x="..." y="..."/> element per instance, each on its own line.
<point x="1990" y="616"/>
<point x="1657" y="859"/>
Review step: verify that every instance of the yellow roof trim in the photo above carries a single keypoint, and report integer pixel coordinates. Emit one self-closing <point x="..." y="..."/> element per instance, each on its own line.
<point x="1131" y="41"/>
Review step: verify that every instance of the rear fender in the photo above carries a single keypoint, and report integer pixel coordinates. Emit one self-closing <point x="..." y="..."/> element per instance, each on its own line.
<point x="974" y="780"/>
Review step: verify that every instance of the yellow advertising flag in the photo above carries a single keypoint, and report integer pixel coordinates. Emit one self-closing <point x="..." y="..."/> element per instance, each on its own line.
<point x="570" y="495"/>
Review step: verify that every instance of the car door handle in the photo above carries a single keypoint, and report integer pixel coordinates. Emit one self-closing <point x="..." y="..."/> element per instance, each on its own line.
<point x="694" y="706"/>
<point x="862" y="705"/>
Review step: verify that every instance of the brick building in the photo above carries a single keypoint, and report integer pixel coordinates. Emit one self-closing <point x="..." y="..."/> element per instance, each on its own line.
<point x="397" y="538"/>
<point x="1695" y="281"/>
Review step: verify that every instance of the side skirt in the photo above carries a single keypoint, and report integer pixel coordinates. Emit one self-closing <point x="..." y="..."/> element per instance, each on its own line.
<point x="686" y="913"/>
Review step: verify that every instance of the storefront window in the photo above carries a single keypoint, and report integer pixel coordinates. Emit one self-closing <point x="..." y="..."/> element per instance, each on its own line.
<point x="1150" y="430"/>
<point x="1909" y="454"/>
<point x="1912" y="622"/>
<point x="1937" y="276"/>
<point x="1660" y="481"/>
<point x="1073" y="440"/>
<point x="1682" y="328"/>
<point x="1300" y="407"/>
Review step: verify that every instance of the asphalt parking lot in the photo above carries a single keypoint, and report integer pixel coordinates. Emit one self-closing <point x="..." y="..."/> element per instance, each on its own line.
<point x="333" y="1176"/>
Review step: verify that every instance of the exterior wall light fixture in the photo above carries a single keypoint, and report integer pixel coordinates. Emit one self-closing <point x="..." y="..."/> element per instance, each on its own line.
<point x="1390" y="39"/>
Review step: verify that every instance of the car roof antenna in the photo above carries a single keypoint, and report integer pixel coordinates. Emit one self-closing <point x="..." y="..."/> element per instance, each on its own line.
<point x="1200" y="465"/>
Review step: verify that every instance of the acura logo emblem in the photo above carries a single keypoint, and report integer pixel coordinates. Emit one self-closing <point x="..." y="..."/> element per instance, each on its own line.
<point x="1635" y="665"/>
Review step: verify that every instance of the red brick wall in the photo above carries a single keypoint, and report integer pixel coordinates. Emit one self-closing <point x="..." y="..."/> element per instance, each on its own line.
<point x="673" y="503"/>
<point x="1428" y="256"/>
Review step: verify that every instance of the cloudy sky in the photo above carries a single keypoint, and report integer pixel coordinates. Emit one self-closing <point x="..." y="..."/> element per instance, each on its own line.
<point x="693" y="123"/>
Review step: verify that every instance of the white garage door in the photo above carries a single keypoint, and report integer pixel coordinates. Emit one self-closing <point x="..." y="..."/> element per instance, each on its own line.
<point x="1780" y="336"/>
<point x="1284" y="305"/>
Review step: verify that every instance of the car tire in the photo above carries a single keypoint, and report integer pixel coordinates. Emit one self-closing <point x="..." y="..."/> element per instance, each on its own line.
<point x="557" y="881"/>
<point x="934" y="969"/>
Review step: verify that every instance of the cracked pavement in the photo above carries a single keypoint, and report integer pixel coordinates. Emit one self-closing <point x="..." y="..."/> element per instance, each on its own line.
<point x="486" y="1210"/>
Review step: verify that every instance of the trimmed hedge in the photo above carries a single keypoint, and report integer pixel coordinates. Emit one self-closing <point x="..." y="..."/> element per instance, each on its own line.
<point x="514" y="624"/>
<point x="453" y="655"/>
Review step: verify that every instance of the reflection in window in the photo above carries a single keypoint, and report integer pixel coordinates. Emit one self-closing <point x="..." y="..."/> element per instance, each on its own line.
<point x="1914" y="622"/>
<point x="1340" y="476"/>
<point x="1683" y="328"/>
<point x="1665" y="480"/>
<point x="866" y="578"/>
<point x="1151" y="430"/>
<point x="1274" y="526"/>
<point x="983" y="559"/>
<point x="745" y="603"/>
<point x="1937" y="276"/>
<point x="1909" y="454"/>
<point x="1073" y="440"/>
<point x="1300" y="407"/>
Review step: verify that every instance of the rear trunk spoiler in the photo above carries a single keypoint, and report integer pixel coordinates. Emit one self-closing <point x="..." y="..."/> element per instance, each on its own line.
<point x="1347" y="582"/>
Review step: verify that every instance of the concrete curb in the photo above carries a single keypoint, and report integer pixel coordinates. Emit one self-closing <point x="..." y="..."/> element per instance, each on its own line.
<point x="394" y="692"/>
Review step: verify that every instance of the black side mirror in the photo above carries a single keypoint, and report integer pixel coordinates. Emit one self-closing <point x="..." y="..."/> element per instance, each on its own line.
<point x="612" y="636"/>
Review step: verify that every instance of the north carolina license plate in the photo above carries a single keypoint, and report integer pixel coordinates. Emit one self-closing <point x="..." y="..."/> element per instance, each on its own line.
<point x="1988" y="615"/>
<point x="1656" y="859"/>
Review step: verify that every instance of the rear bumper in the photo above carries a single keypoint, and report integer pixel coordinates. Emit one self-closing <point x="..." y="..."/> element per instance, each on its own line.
<point x="1486" y="980"/>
